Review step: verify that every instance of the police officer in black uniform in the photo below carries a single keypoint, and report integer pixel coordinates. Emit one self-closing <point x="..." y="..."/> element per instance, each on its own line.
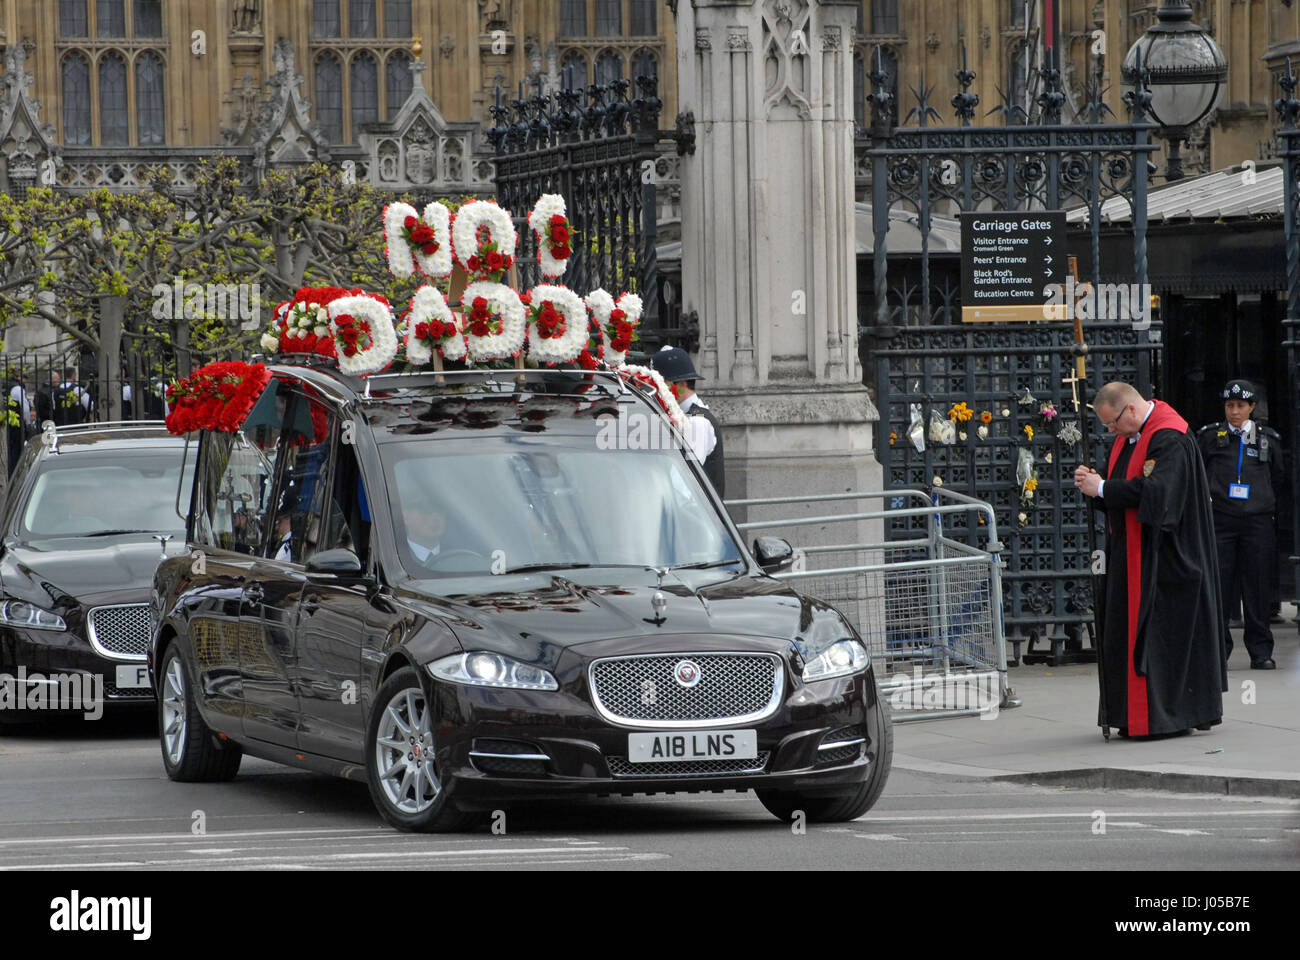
<point x="674" y="365"/>
<point x="1244" y="462"/>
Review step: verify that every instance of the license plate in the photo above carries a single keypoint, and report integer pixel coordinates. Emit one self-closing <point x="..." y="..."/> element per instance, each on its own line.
<point x="132" y="677"/>
<point x="692" y="745"/>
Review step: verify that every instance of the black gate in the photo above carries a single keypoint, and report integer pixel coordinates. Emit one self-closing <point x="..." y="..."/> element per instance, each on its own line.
<point x="1288" y="112"/>
<point x="921" y="357"/>
<point x="597" y="149"/>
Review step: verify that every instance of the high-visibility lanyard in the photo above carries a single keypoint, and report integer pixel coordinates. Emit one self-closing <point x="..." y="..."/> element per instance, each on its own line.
<point x="1241" y="450"/>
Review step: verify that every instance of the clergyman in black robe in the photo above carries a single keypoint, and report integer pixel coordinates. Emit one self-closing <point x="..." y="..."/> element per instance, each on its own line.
<point x="1162" y="639"/>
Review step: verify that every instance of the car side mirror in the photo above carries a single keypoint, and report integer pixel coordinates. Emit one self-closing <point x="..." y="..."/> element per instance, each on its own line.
<point x="338" y="561"/>
<point x="773" y="554"/>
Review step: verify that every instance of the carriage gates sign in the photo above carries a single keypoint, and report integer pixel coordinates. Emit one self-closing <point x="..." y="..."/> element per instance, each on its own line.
<point x="1008" y="260"/>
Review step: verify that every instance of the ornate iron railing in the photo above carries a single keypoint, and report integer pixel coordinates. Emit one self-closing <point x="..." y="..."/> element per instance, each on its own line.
<point x="919" y="353"/>
<point x="597" y="148"/>
<point x="1288" y="114"/>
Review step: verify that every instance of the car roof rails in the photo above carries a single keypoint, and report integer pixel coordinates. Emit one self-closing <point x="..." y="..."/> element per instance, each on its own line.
<point x="80" y="429"/>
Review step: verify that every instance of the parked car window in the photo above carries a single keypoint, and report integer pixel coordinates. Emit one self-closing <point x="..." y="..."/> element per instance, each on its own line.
<point x="79" y="495"/>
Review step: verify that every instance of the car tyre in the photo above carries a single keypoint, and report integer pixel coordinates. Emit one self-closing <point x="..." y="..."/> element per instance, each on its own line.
<point x="400" y="769"/>
<point x="191" y="751"/>
<point x="837" y="809"/>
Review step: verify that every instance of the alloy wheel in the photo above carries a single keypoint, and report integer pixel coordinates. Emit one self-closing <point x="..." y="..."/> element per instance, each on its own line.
<point x="173" y="711"/>
<point x="404" y="753"/>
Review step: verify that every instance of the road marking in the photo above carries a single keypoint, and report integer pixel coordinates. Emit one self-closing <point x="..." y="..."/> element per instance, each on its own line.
<point x="471" y="857"/>
<point x="1184" y="833"/>
<point x="1081" y="815"/>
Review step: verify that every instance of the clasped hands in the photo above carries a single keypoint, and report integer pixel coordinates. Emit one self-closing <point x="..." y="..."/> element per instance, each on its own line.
<point x="1087" y="480"/>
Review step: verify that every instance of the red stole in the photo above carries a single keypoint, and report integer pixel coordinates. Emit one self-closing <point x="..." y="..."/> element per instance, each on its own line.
<point x="1163" y="417"/>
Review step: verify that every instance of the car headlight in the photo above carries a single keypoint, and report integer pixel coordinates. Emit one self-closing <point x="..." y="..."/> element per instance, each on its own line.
<point x="838" y="660"/>
<point x="19" y="613"/>
<point x="492" y="670"/>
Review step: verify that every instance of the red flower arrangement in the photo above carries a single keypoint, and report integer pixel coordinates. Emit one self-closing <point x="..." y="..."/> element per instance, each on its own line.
<point x="218" y="396"/>
<point x="558" y="237"/>
<point x="620" y="332"/>
<point x="483" y="322"/>
<point x="354" y="332"/>
<point x="550" y="322"/>
<point x="434" y="332"/>
<point x="420" y="236"/>
<point x="491" y="264"/>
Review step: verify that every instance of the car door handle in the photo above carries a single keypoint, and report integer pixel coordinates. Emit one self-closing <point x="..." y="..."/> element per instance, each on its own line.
<point x="310" y="604"/>
<point x="254" y="593"/>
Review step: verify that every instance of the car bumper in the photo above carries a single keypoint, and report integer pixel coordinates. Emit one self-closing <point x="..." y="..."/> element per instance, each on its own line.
<point x="585" y="754"/>
<point x="65" y="664"/>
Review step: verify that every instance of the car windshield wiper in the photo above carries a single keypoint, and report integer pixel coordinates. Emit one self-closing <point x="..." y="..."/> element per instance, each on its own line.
<point x="704" y="564"/>
<point x="551" y="566"/>
<point x="113" y="533"/>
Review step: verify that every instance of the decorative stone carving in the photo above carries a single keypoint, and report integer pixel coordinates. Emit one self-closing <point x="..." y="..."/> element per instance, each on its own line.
<point x="738" y="41"/>
<point x="447" y="46"/>
<point x="986" y="36"/>
<point x="243" y="113"/>
<point x="831" y="38"/>
<point x="785" y="54"/>
<point x="495" y="14"/>
<point x="702" y="41"/>
<point x="247" y="17"/>
<point x="285" y="133"/>
<point x="27" y="144"/>
<point x="420" y="150"/>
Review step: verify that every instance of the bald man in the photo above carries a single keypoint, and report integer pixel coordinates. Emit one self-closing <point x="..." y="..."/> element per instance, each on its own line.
<point x="1162" y="638"/>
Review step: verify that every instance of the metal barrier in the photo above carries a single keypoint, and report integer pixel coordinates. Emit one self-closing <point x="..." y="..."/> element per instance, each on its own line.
<point x="929" y="609"/>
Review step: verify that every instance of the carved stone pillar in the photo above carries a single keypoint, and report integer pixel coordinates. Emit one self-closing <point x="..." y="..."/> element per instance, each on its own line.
<point x="769" y="247"/>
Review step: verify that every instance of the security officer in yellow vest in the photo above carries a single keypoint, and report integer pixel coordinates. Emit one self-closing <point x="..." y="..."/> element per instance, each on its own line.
<point x="1243" y="460"/>
<point x="703" y="432"/>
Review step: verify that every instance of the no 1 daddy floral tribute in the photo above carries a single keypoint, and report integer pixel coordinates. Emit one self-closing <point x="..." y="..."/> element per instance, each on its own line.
<point x="549" y="325"/>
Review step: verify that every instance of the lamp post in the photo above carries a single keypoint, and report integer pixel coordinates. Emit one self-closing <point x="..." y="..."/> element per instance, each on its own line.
<point x="1185" y="71"/>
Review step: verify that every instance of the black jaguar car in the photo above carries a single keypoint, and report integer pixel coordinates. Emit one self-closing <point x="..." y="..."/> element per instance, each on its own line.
<point x="478" y="587"/>
<point x="86" y="515"/>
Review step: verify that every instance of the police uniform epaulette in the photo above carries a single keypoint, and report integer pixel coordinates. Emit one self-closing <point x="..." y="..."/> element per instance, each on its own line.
<point x="1208" y="426"/>
<point x="1271" y="433"/>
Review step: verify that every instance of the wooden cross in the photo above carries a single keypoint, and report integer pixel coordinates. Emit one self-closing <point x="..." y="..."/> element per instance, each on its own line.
<point x="1074" y="380"/>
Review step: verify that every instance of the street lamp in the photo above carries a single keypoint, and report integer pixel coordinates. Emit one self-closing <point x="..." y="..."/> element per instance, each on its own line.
<point x="1184" y="70"/>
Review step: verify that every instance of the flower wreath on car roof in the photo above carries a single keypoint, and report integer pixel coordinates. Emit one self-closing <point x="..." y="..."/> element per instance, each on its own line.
<point x="549" y="325"/>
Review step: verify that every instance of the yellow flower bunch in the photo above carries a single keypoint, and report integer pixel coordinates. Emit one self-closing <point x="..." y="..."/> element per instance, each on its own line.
<point x="1031" y="484"/>
<point x="960" y="413"/>
<point x="1029" y="431"/>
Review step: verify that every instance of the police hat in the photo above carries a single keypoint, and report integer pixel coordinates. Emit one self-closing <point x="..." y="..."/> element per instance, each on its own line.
<point x="1239" y="390"/>
<point x="674" y="365"/>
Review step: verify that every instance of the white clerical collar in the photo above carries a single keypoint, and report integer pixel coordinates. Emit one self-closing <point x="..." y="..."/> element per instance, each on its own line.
<point x="1151" y="406"/>
<point x="423" y="553"/>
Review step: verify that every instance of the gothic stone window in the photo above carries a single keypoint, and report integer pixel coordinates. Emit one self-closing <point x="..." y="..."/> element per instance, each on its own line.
<point x="361" y="70"/>
<point x="884" y="17"/>
<point x="607" y="39"/>
<point x="112" y="72"/>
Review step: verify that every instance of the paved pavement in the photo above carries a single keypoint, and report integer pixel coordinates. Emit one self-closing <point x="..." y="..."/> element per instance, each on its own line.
<point x="1053" y="739"/>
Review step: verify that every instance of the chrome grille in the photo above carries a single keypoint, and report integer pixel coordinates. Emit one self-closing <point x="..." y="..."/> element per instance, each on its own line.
<point x="732" y="688"/>
<point x="622" y="767"/>
<point x="120" y="633"/>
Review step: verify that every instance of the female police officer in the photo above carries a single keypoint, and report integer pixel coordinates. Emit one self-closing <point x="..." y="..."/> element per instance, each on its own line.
<point x="1244" y="462"/>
